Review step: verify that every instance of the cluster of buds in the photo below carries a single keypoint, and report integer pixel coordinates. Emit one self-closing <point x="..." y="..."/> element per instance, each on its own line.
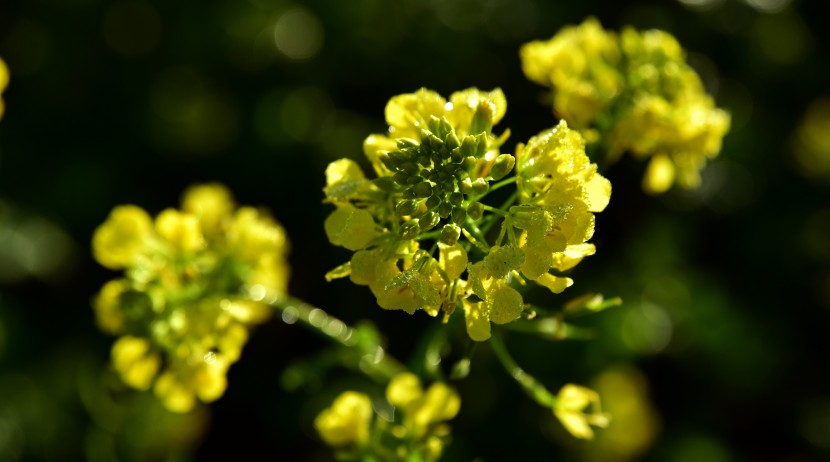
<point x="632" y="92"/>
<point x="436" y="167"/>
<point x="414" y="428"/>
<point x="190" y="292"/>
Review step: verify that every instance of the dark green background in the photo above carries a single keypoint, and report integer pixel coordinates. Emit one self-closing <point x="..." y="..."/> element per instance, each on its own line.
<point x="132" y="101"/>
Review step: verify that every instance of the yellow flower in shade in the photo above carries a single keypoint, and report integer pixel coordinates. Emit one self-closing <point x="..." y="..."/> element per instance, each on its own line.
<point x="424" y="411"/>
<point x="560" y="190"/>
<point x="499" y="303"/>
<point x="4" y="81"/>
<point x="185" y="299"/>
<point x="632" y="93"/>
<point x="347" y="421"/>
<point x="571" y="403"/>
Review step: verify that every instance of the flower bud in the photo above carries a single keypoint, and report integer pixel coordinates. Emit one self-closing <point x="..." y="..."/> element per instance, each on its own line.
<point x="468" y="146"/>
<point x="502" y="166"/>
<point x="480" y="186"/>
<point x="469" y="163"/>
<point x="459" y="215"/>
<point x="406" y="207"/>
<point x="466" y="186"/>
<point x="433" y="202"/>
<point x="386" y="183"/>
<point x="444" y="209"/>
<point x="450" y="234"/>
<point x="456" y="198"/>
<point x="407" y="143"/>
<point x="483" y="117"/>
<point x="475" y="210"/>
<point x="422" y="189"/>
<point x="428" y="221"/>
<point x="410" y="229"/>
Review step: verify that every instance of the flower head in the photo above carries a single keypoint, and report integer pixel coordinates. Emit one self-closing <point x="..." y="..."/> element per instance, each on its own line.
<point x="632" y="93"/>
<point x="571" y="404"/>
<point x="184" y="305"/>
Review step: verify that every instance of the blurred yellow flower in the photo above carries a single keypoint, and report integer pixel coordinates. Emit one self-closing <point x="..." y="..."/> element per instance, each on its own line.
<point x="4" y="82"/>
<point x="631" y="93"/>
<point x="347" y="421"/>
<point x="570" y="408"/>
<point x="184" y="297"/>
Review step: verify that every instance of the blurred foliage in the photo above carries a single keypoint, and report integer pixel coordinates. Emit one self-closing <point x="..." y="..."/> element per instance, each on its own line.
<point x="717" y="353"/>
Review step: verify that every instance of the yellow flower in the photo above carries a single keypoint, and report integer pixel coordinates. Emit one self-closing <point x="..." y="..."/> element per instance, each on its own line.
<point x="123" y="238"/>
<point x="571" y="402"/>
<point x="183" y="299"/>
<point x="422" y="410"/>
<point x="633" y="93"/>
<point x="581" y="63"/>
<point x="347" y="421"/>
<point x="135" y="361"/>
<point x="560" y="190"/>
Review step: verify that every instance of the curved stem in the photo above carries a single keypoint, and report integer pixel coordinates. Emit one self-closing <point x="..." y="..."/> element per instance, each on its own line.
<point x="529" y="384"/>
<point x="372" y="358"/>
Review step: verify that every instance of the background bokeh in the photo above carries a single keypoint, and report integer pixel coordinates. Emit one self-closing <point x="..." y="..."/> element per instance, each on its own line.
<point x="718" y="353"/>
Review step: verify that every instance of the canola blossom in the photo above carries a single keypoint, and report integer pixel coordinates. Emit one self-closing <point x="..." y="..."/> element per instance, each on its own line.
<point x="633" y="92"/>
<point x="418" y="429"/>
<point x="186" y="301"/>
<point x="422" y="231"/>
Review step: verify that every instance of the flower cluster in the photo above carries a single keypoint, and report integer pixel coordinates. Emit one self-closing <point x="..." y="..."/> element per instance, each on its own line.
<point x="415" y="430"/>
<point x="421" y="229"/>
<point x="632" y="92"/>
<point x="187" y="298"/>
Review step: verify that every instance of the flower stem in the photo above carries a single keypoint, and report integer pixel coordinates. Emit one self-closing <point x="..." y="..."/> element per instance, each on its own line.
<point x="371" y="357"/>
<point x="529" y="384"/>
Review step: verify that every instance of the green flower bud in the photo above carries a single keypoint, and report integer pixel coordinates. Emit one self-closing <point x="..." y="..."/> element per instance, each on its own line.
<point x="450" y="234"/>
<point x="400" y="178"/>
<point x="468" y="147"/>
<point x="407" y="143"/>
<point x="433" y="202"/>
<point x="434" y="124"/>
<point x="398" y="157"/>
<point x="466" y="186"/>
<point x="456" y="198"/>
<point x="475" y="210"/>
<point x="444" y="209"/>
<point x="480" y="186"/>
<point x="458" y="215"/>
<point x="410" y="229"/>
<point x="481" y="144"/>
<point x="483" y="117"/>
<point x="457" y="155"/>
<point x="502" y="166"/>
<point x="435" y="143"/>
<point x="434" y="177"/>
<point x="424" y="161"/>
<point x="422" y="189"/>
<point x="387" y="161"/>
<point x="428" y="221"/>
<point x="448" y="185"/>
<point x="410" y="168"/>
<point x="414" y="179"/>
<point x="453" y="141"/>
<point x="386" y="183"/>
<point x="445" y="128"/>
<point x="406" y="207"/>
<point x="469" y="163"/>
<point x="409" y="194"/>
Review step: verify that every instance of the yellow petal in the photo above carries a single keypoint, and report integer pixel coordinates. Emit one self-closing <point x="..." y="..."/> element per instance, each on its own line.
<point x="659" y="174"/>
<point x="346" y="421"/>
<point x="176" y="396"/>
<point x="135" y="362"/>
<point x="405" y="113"/>
<point x="350" y="227"/>
<point x="181" y="230"/>
<point x="453" y="259"/>
<point x="212" y="204"/>
<point x="554" y="283"/>
<point x="440" y="403"/>
<point x="598" y="190"/>
<point x="126" y="235"/>
<point x="477" y="319"/>
<point x="107" y="306"/>
<point x="404" y="389"/>
<point x="507" y="305"/>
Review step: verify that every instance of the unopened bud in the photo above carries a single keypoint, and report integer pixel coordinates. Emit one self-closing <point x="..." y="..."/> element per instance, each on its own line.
<point x="406" y="207"/>
<point x="450" y="234"/>
<point x="459" y="215"/>
<point x="410" y="229"/>
<point x="502" y="166"/>
<point x="480" y="186"/>
<point x="422" y="189"/>
<point x="475" y="210"/>
<point x="428" y="220"/>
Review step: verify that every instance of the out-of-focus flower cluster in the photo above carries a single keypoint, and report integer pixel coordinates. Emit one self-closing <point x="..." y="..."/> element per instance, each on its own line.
<point x="632" y="92"/>
<point x="415" y="430"/>
<point x="421" y="230"/>
<point x="186" y="301"/>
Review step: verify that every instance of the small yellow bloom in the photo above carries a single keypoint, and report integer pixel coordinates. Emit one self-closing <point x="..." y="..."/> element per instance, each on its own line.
<point x="134" y="360"/>
<point x="347" y="421"/>
<point x="4" y="81"/>
<point x="212" y="205"/>
<point x="500" y="303"/>
<point x="422" y="410"/>
<point x="180" y="230"/>
<point x="123" y="238"/>
<point x="571" y="402"/>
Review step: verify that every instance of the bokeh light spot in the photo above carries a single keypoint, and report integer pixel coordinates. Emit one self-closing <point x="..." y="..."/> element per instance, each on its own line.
<point x="298" y="34"/>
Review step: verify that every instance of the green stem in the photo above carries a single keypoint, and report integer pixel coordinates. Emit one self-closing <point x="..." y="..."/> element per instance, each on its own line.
<point x="529" y="384"/>
<point x="373" y="358"/>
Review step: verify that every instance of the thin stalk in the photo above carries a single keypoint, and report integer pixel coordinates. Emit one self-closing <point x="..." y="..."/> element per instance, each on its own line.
<point x="529" y="384"/>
